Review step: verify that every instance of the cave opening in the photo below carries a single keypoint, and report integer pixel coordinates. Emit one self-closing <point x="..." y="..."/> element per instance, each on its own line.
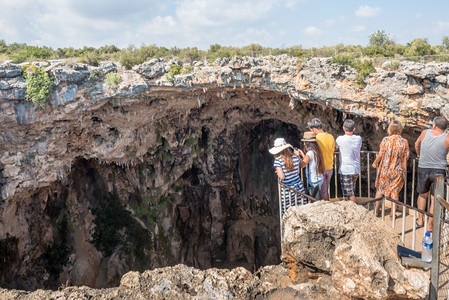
<point x="201" y="196"/>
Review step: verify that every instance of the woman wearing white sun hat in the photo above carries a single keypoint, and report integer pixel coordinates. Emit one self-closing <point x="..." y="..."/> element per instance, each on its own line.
<point x="286" y="165"/>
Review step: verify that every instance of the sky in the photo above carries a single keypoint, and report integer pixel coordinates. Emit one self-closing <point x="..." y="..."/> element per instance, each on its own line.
<point x="201" y="23"/>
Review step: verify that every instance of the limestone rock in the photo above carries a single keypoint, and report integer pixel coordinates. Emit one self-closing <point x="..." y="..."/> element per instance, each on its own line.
<point x="186" y="140"/>
<point x="357" y="249"/>
<point x="182" y="282"/>
<point x="71" y="73"/>
<point x="151" y="69"/>
<point x="10" y="70"/>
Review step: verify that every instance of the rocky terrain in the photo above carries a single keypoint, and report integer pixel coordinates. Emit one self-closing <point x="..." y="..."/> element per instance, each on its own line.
<point x="330" y="251"/>
<point x="156" y="169"/>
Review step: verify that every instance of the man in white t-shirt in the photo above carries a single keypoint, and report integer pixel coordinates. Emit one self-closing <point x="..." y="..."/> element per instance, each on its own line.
<point x="349" y="147"/>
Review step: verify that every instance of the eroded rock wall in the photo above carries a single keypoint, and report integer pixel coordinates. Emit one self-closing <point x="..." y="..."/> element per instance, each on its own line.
<point x="159" y="170"/>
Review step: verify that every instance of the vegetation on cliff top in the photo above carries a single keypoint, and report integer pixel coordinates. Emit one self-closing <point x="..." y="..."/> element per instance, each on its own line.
<point x="39" y="85"/>
<point x="381" y="45"/>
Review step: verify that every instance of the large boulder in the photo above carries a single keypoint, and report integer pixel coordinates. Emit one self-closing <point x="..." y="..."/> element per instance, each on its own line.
<point x="356" y="248"/>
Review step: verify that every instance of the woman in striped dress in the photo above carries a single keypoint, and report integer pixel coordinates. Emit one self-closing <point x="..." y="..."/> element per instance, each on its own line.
<point x="392" y="163"/>
<point x="286" y="166"/>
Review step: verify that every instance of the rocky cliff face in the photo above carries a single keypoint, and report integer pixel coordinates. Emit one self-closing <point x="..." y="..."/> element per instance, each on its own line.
<point x="157" y="169"/>
<point x="330" y="251"/>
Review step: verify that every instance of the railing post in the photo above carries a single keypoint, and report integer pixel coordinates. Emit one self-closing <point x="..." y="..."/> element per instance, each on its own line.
<point x="404" y="211"/>
<point x="280" y="208"/>
<point x="439" y="195"/>
<point x="335" y="177"/>
<point x="413" y="200"/>
<point x="360" y="183"/>
<point x="369" y="177"/>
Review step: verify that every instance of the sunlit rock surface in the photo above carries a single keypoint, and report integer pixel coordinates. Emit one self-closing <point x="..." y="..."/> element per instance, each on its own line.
<point x="356" y="248"/>
<point x="158" y="170"/>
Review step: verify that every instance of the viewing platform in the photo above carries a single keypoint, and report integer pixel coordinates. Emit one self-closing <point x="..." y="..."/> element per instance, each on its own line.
<point x="403" y="221"/>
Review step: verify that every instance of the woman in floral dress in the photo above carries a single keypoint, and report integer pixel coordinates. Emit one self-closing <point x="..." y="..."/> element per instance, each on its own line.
<point x="392" y="163"/>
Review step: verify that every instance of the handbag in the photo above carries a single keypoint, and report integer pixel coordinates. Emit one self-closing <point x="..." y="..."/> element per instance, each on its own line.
<point x="314" y="191"/>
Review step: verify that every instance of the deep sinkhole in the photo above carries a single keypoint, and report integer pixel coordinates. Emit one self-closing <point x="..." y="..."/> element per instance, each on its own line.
<point x="221" y="211"/>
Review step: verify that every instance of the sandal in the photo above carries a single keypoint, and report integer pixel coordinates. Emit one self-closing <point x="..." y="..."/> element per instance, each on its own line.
<point x="417" y="224"/>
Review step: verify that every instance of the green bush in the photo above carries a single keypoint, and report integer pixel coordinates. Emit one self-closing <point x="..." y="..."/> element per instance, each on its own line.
<point x="343" y="59"/>
<point x="445" y="42"/>
<point x="418" y="47"/>
<point x="392" y="65"/>
<point x="112" y="80"/>
<point x="380" y="38"/>
<point x="31" y="53"/>
<point x="39" y="85"/>
<point x="379" y="51"/>
<point x="364" y="68"/>
<point x="191" y="54"/>
<point x="174" y="70"/>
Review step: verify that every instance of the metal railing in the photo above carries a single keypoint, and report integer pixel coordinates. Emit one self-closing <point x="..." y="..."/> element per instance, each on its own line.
<point x="439" y="285"/>
<point x="289" y="196"/>
<point x="366" y="191"/>
<point x="406" y="207"/>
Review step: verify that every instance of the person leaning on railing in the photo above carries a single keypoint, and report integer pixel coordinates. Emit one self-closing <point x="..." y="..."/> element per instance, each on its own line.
<point x="326" y="142"/>
<point x="431" y="148"/>
<point x="392" y="162"/>
<point x="313" y="161"/>
<point x="349" y="146"/>
<point x="286" y="165"/>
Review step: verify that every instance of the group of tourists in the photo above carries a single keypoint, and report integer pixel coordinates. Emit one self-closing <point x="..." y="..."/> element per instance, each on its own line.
<point x="318" y="160"/>
<point x="317" y="157"/>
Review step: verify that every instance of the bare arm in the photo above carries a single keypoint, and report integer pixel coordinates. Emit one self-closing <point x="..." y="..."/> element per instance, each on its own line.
<point x="379" y="155"/>
<point x="280" y="173"/>
<point x="419" y="140"/>
<point x="377" y="160"/>
<point x="305" y="159"/>
<point x="446" y="142"/>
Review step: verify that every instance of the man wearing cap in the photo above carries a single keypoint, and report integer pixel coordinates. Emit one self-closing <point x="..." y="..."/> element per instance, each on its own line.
<point x="349" y="146"/>
<point x="326" y="142"/>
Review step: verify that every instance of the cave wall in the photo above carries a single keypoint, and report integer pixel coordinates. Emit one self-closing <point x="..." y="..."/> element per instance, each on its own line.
<point x="154" y="172"/>
<point x="204" y="194"/>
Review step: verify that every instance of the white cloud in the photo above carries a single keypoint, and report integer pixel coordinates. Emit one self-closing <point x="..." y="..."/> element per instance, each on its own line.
<point x="438" y="31"/>
<point x="367" y="11"/>
<point x="312" y="31"/>
<point x="69" y="23"/>
<point x="112" y="9"/>
<point x="443" y="25"/>
<point x="158" y="26"/>
<point x="294" y="3"/>
<point x="357" y="28"/>
<point x="19" y="29"/>
<point x="330" y="22"/>
<point x="252" y="36"/>
<point x="198" y="13"/>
